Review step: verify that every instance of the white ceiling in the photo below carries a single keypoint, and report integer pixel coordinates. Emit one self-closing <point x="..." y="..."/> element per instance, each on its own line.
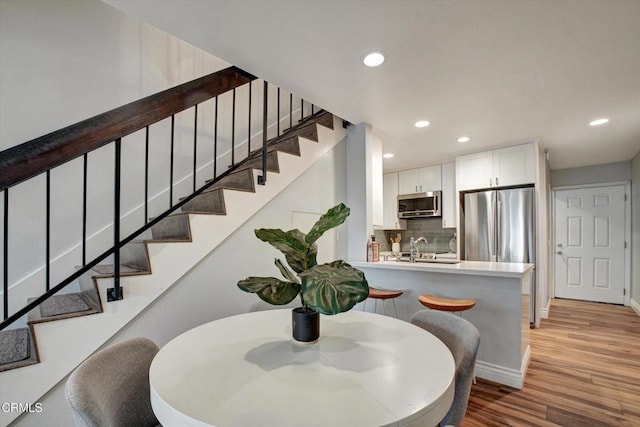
<point x="499" y="71"/>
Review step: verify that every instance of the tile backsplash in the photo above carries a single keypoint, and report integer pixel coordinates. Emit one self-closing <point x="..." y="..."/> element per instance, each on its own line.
<point x="430" y="228"/>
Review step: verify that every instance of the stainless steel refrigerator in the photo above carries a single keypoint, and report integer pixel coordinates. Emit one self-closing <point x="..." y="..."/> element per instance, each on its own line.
<point x="499" y="227"/>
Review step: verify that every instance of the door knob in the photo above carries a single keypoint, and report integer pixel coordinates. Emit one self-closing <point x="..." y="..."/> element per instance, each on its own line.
<point x="559" y="252"/>
<point x="559" y="245"/>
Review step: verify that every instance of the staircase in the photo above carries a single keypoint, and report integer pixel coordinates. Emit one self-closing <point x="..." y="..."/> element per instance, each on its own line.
<point x="151" y="264"/>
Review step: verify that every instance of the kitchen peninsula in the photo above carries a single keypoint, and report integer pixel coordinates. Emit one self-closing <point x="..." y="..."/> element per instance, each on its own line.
<point x="501" y="313"/>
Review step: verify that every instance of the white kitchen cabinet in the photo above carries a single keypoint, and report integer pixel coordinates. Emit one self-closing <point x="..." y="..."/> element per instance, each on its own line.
<point x="514" y="165"/>
<point x="390" y="204"/>
<point x="420" y="180"/>
<point x="431" y="178"/>
<point x="496" y="168"/>
<point x="449" y="195"/>
<point x="408" y="181"/>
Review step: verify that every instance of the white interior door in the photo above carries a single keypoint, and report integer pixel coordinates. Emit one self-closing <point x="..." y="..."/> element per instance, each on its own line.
<point x="590" y="254"/>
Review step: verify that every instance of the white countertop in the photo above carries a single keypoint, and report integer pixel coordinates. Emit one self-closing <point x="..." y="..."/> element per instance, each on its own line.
<point x="365" y="370"/>
<point x="478" y="268"/>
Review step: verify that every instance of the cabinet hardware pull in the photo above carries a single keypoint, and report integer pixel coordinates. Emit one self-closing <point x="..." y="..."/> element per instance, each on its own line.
<point x="496" y="180"/>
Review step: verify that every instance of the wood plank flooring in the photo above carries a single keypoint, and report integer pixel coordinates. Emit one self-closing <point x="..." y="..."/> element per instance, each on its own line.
<point x="584" y="371"/>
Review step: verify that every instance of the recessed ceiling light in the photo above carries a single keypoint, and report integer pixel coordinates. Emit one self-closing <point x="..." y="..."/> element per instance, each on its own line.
<point x="422" y="124"/>
<point x="464" y="139"/>
<point x="387" y="155"/>
<point x="373" y="59"/>
<point x="598" y="122"/>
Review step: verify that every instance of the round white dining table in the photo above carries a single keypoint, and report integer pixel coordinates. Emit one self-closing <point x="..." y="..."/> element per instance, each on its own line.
<point x="242" y="371"/>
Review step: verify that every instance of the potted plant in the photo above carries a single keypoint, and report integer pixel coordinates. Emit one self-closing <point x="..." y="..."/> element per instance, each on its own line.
<point x="329" y="288"/>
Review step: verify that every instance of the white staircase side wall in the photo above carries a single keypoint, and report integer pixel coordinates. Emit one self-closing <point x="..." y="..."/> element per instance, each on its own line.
<point x="64" y="344"/>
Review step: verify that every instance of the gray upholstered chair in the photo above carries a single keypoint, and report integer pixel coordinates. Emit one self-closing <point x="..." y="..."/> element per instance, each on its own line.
<point x="463" y="340"/>
<point x="111" y="387"/>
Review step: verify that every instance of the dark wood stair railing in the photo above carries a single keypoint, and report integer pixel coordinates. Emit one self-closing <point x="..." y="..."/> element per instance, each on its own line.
<point x="34" y="157"/>
<point x="41" y="155"/>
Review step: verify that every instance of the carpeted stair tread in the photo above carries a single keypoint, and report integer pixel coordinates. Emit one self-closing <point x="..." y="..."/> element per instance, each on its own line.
<point x="125" y="270"/>
<point x="289" y="145"/>
<point x="174" y="228"/>
<point x="66" y="306"/>
<point x="63" y="304"/>
<point x="17" y="349"/>
<point x="307" y="130"/>
<point x="241" y="181"/>
<point x="14" y="345"/>
<point x="134" y="255"/>
<point x="256" y="163"/>
<point x="211" y="202"/>
<point x="325" y="119"/>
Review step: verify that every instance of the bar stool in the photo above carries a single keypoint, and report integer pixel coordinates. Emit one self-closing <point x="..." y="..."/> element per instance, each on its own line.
<point x="382" y="294"/>
<point x="456" y="306"/>
<point x="446" y="304"/>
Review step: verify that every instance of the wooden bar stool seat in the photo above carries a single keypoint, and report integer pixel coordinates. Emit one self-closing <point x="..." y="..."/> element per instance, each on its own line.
<point x="382" y="294"/>
<point x="446" y="304"/>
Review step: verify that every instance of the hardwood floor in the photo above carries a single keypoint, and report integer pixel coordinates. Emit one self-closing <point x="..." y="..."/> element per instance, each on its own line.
<point x="584" y="371"/>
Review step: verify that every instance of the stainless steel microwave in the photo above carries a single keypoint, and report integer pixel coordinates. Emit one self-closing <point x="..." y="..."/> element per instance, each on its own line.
<point x="420" y="205"/>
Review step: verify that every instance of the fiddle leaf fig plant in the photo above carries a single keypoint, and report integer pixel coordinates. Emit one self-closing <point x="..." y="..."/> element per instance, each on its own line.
<point x="330" y="288"/>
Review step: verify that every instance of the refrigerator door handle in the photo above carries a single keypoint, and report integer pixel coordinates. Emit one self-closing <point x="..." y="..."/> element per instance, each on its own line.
<point x="498" y="228"/>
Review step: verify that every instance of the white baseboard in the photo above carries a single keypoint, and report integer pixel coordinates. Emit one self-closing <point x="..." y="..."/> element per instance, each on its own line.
<point x="543" y="312"/>
<point x="635" y="306"/>
<point x="500" y="374"/>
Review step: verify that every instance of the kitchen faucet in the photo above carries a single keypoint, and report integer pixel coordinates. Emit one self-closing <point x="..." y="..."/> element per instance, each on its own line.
<point x="413" y="248"/>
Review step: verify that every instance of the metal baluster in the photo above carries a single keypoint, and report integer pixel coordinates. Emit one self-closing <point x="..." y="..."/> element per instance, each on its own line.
<point x="312" y="109"/>
<point x="5" y="256"/>
<point x="301" y="109"/>
<point x="84" y="208"/>
<point x="47" y="278"/>
<point x="262" y="179"/>
<point x="195" y="146"/>
<point x="233" y="129"/>
<point x="215" y="140"/>
<point x="146" y="176"/>
<point x="290" y="110"/>
<point x="115" y="293"/>
<point x="249" y="125"/>
<point x="173" y="121"/>
<point x="278" y="115"/>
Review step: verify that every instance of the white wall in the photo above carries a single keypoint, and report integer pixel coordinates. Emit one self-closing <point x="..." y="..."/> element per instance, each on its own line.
<point x="635" y="253"/>
<point x="609" y="172"/>
<point x="209" y="291"/>
<point x="543" y="270"/>
<point x="364" y="187"/>
<point x="62" y="61"/>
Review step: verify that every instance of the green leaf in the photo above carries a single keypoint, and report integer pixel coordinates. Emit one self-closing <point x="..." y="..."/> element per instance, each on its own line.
<point x="333" y="288"/>
<point x="286" y="273"/>
<point x="338" y="264"/>
<point x="269" y="289"/>
<point x="332" y="218"/>
<point x="298" y="253"/>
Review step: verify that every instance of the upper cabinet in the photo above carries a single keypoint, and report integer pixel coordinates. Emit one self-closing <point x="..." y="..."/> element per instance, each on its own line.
<point x="497" y="168"/>
<point x="420" y="180"/>
<point x="449" y="195"/>
<point x="390" y="204"/>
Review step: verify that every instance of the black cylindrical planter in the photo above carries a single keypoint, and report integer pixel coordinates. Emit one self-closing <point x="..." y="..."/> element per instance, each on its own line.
<point x="306" y="324"/>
